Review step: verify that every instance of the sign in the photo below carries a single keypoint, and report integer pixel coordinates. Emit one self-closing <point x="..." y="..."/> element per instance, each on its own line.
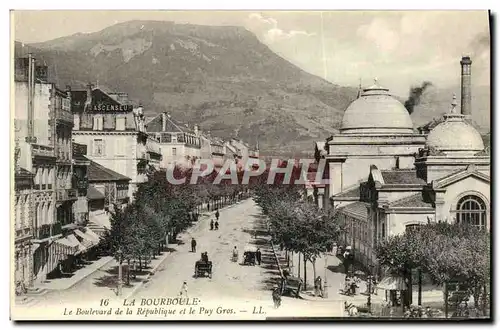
<point x="112" y="107"/>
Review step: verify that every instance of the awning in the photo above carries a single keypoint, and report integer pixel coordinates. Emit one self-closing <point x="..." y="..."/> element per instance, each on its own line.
<point x="81" y="248"/>
<point x="93" y="236"/>
<point x="86" y="240"/>
<point x="68" y="247"/>
<point x="392" y="283"/>
<point x="94" y="194"/>
<point x="101" y="220"/>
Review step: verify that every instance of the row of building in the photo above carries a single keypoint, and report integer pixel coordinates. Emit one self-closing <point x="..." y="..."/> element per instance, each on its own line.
<point x="81" y="153"/>
<point x="385" y="177"/>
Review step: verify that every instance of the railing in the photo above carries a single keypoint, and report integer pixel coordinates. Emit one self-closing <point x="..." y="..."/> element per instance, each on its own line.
<point x="66" y="194"/>
<point x="23" y="232"/>
<point x="42" y="151"/>
<point x="46" y="231"/>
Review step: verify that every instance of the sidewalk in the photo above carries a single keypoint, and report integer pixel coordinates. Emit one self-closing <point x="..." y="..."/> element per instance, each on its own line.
<point x="335" y="282"/>
<point x="105" y="270"/>
<point x="79" y="275"/>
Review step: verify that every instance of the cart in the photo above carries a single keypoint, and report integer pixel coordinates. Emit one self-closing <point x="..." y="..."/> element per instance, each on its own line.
<point x="203" y="269"/>
<point x="249" y="256"/>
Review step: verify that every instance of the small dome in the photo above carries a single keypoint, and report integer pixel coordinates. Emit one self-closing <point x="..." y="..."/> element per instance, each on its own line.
<point x="454" y="135"/>
<point x="376" y="111"/>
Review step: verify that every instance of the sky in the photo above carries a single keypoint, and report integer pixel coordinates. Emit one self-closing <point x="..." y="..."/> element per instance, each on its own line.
<point x="398" y="48"/>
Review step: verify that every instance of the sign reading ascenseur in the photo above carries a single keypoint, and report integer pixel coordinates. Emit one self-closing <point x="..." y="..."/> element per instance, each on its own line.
<point x="112" y="107"/>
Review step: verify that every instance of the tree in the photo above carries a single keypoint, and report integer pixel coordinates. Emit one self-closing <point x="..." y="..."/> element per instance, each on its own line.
<point x="446" y="252"/>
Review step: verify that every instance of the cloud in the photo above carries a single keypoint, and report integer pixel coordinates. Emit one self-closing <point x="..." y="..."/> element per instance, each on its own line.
<point x="380" y="34"/>
<point x="270" y="30"/>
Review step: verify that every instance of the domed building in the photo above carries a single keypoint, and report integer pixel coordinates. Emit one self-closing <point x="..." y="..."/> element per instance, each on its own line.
<point x="385" y="179"/>
<point x="376" y="129"/>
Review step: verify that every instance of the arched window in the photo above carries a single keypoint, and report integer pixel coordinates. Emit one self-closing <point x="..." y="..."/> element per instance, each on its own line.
<point x="471" y="210"/>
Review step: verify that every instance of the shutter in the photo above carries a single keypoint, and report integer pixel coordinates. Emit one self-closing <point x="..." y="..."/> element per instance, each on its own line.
<point x="103" y="147"/>
<point x="91" y="148"/>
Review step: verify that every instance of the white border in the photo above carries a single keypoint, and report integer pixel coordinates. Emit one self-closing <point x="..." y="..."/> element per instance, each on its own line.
<point x="186" y="4"/>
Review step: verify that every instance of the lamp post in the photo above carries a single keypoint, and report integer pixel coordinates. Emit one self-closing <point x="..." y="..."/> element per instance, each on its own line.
<point x="325" y="284"/>
<point x="120" y="272"/>
<point x="370" y="280"/>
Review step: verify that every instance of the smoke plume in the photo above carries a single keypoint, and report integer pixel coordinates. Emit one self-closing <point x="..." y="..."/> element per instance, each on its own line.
<point x="414" y="97"/>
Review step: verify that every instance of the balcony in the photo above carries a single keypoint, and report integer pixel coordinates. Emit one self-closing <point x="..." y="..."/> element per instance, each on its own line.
<point x="39" y="150"/>
<point x="66" y="195"/>
<point x="63" y="116"/>
<point x="46" y="231"/>
<point x="23" y="233"/>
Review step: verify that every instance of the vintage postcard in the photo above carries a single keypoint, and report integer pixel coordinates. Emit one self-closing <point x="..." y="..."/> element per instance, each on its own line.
<point x="245" y="165"/>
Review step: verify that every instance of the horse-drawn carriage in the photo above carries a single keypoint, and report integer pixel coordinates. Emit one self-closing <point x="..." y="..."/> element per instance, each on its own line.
<point x="203" y="267"/>
<point x="249" y="256"/>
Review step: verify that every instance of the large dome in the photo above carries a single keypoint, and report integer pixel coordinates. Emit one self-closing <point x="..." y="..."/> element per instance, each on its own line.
<point x="455" y="136"/>
<point x="376" y="111"/>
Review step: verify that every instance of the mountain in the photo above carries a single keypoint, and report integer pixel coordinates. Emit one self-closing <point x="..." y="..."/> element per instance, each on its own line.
<point x="222" y="78"/>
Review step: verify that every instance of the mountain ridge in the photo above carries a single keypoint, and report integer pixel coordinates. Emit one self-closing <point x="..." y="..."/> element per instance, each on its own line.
<point x="222" y="78"/>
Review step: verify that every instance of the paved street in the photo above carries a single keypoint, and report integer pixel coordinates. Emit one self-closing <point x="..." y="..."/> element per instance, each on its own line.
<point x="229" y="279"/>
<point x="232" y="284"/>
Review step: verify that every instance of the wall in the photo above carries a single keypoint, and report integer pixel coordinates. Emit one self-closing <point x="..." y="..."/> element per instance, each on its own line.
<point x="120" y="153"/>
<point x="464" y="187"/>
<point x="356" y="169"/>
<point x="41" y="105"/>
<point x="399" y="221"/>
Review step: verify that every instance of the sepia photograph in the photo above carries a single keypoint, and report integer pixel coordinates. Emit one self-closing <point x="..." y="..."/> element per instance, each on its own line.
<point x="250" y="165"/>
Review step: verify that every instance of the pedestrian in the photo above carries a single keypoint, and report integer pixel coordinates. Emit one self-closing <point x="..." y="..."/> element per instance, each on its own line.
<point x="258" y="256"/>
<point x="217" y="213"/>
<point x="184" y="290"/>
<point x="317" y="286"/>
<point x="428" y="312"/>
<point x="193" y="245"/>
<point x="212" y="224"/>
<point x="276" y="296"/>
<point x="235" y="254"/>
<point x="216" y="225"/>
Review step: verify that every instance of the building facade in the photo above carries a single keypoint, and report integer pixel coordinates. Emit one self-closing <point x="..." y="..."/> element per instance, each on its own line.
<point x="180" y="145"/>
<point x="113" y="132"/>
<point x="23" y="225"/>
<point x="80" y="184"/>
<point x="107" y="190"/>
<point x="384" y="179"/>
<point x="38" y="112"/>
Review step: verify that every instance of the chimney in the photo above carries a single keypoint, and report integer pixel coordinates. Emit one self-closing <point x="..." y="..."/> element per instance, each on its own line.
<point x="163" y="121"/>
<point x="68" y="90"/>
<point x="196" y="129"/>
<point x="31" y="87"/>
<point x="465" y="104"/>
<point x="88" y="102"/>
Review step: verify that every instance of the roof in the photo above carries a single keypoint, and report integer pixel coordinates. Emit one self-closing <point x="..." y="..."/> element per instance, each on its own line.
<point x="455" y="135"/>
<point x="402" y="177"/>
<point x="350" y="192"/>
<point x="415" y="200"/>
<point x="376" y="111"/>
<point x="78" y="99"/>
<point x="471" y="170"/>
<point x="172" y="125"/>
<point x="94" y="194"/>
<point x="356" y="209"/>
<point x="97" y="172"/>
